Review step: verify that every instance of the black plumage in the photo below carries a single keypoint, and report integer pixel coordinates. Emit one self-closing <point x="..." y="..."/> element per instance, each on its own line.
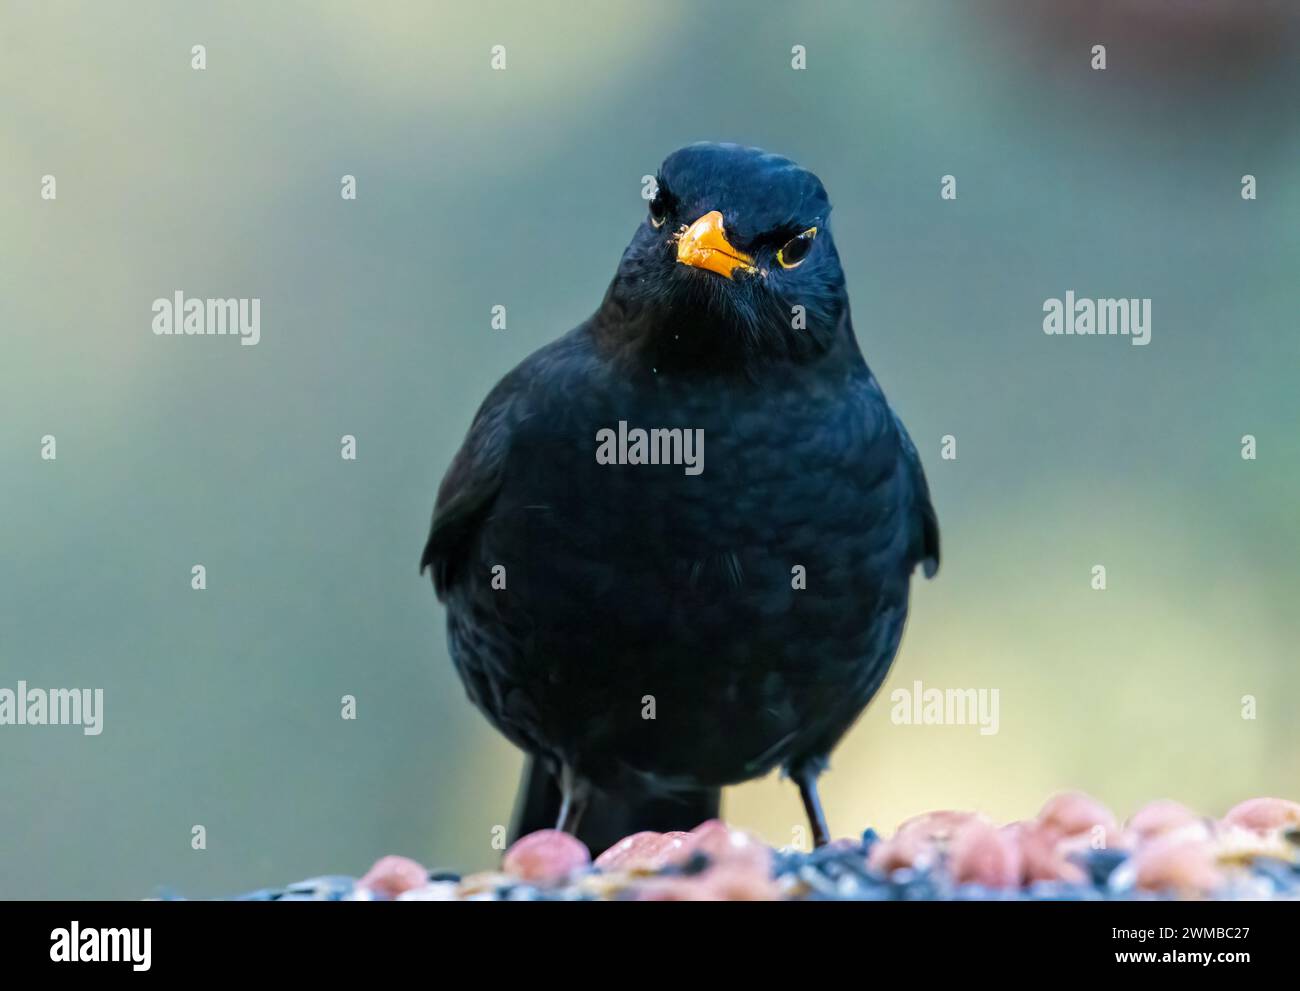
<point x="624" y="581"/>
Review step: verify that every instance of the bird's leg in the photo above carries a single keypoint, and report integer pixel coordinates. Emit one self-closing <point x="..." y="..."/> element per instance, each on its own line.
<point x="806" y="778"/>
<point x="573" y="801"/>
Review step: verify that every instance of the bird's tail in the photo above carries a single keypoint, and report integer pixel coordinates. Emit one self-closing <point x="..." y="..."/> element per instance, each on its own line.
<point x="608" y="818"/>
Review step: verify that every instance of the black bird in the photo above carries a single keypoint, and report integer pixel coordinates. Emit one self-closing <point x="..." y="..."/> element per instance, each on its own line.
<point x="646" y="633"/>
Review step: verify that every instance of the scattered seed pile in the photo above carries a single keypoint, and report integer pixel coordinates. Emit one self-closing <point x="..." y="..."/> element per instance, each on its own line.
<point x="1073" y="849"/>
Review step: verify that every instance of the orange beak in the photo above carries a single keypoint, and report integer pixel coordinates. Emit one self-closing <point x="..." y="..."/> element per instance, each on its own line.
<point x="704" y="245"/>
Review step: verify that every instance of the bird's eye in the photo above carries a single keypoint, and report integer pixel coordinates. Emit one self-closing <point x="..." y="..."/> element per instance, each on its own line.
<point x="658" y="210"/>
<point x="796" y="249"/>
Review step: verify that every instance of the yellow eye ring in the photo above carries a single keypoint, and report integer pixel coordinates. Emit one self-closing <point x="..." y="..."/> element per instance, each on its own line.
<point x="796" y="249"/>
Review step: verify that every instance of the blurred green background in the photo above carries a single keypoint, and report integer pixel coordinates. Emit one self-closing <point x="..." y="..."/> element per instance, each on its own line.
<point x="521" y="187"/>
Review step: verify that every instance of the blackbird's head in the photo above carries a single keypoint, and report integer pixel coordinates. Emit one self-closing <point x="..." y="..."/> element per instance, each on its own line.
<point x="734" y="261"/>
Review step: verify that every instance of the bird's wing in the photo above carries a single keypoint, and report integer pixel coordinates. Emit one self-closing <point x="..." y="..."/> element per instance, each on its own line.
<point x="471" y="483"/>
<point x="926" y="544"/>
